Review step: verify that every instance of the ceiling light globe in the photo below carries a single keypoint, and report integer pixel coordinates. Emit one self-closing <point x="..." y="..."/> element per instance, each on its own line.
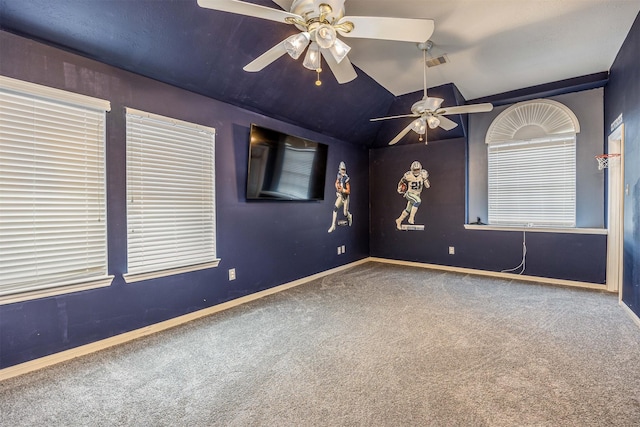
<point x="419" y="126"/>
<point x="312" y="58"/>
<point x="325" y="36"/>
<point x="433" y="122"/>
<point x="339" y="50"/>
<point x="296" y="44"/>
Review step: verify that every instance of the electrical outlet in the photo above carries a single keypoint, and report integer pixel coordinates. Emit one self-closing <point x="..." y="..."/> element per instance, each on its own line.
<point x="232" y="274"/>
<point x="343" y="249"/>
<point x="339" y="250"/>
<point x="452" y="250"/>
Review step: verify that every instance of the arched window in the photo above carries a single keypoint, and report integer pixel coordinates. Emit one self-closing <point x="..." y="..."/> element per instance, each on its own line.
<point x="532" y="165"/>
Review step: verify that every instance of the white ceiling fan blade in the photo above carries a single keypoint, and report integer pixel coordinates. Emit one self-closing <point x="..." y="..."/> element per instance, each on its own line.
<point x="266" y="58"/>
<point x="446" y="124"/>
<point x="401" y="134"/>
<point x="393" y="117"/>
<point x="343" y="71"/>
<point x="464" y="109"/>
<point x="248" y="9"/>
<point x="383" y="28"/>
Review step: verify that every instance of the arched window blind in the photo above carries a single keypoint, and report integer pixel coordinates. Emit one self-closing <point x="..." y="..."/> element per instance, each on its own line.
<point x="532" y="165"/>
<point x="170" y="196"/>
<point x="52" y="189"/>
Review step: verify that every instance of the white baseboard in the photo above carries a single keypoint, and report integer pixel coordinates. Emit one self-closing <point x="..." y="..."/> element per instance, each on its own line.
<point x="630" y="312"/>
<point x="511" y="276"/>
<point x="43" y="362"/>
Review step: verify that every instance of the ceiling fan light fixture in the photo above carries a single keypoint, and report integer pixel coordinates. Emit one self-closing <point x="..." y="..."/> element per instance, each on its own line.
<point x="296" y="44"/>
<point x="433" y="122"/>
<point x="339" y="50"/>
<point x="312" y="58"/>
<point x="419" y="126"/>
<point x="323" y="20"/>
<point x="326" y="36"/>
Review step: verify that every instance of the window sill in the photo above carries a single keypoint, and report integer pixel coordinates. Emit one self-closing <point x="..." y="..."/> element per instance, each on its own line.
<point x="537" y="229"/>
<point x="138" y="277"/>
<point x="101" y="282"/>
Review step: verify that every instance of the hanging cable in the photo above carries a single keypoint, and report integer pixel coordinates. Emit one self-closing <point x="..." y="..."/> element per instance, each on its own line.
<point x="524" y="256"/>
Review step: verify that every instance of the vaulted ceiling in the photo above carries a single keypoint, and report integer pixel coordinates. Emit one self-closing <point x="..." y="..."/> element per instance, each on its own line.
<point x="491" y="46"/>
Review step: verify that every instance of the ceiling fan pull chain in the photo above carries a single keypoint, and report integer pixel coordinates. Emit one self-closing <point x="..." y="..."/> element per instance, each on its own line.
<point x="319" y="70"/>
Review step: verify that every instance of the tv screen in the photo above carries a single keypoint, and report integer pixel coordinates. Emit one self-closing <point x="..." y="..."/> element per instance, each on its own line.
<point x="285" y="167"/>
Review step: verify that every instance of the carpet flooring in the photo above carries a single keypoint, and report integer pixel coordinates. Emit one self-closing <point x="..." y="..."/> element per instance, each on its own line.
<point x="374" y="345"/>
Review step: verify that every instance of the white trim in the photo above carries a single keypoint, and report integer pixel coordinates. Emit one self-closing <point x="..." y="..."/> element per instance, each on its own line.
<point x="542" y="140"/>
<point x="568" y="230"/>
<point x="164" y="119"/>
<point x="102" y="282"/>
<point x="615" y="212"/>
<point x="510" y="276"/>
<point x="9" y="84"/>
<point x="63" y="356"/>
<point x="137" y="277"/>
<point x="630" y="312"/>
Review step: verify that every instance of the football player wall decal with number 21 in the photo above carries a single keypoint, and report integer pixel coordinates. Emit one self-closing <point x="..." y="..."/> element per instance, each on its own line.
<point x="410" y="186"/>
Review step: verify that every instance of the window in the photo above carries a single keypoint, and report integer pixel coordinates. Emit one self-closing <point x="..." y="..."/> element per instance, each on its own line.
<point x="170" y="196"/>
<point x="52" y="191"/>
<point x="532" y="165"/>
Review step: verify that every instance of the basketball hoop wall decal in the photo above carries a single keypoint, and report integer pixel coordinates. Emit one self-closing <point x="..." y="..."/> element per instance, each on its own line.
<point x="603" y="159"/>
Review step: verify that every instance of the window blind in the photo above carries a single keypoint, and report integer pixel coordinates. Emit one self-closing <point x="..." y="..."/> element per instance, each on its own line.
<point x="532" y="183"/>
<point x="170" y="194"/>
<point x="52" y="188"/>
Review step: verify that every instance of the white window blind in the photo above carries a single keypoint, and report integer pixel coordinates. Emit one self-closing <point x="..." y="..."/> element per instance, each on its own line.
<point x="52" y="189"/>
<point x="170" y="195"/>
<point x="533" y="182"/>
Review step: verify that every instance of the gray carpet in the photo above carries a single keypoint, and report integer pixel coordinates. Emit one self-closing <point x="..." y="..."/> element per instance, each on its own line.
<point x="376" y="345"/>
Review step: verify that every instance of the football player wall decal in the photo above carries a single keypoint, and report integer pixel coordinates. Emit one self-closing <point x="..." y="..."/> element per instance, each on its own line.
<point x="343" y="191"/>
<point x="410" y="186"/>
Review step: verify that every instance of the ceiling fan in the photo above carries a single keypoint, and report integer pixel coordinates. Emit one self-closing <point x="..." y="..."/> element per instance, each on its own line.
<point x="320" y="22"/>
<point x="428" y="110"/>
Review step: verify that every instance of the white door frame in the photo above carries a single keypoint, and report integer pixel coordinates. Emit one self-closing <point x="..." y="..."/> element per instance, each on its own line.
<point x="615" y="212"/>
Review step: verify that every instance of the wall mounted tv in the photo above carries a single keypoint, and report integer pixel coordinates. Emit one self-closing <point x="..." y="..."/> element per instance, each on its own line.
<point x="285" y="167"/>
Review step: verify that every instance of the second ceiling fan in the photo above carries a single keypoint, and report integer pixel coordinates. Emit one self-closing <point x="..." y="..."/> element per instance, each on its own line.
<point x="428" y="111"/>
<point x="320" y="22"/>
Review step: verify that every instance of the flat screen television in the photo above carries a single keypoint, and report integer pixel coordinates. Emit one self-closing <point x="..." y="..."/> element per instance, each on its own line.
<point x="285" y="167"/>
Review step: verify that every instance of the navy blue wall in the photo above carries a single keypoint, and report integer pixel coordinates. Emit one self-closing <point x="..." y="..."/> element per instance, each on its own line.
<point x="622" y="96"/>
<point x="575" y="257"/>
<point x="268" y="243"/>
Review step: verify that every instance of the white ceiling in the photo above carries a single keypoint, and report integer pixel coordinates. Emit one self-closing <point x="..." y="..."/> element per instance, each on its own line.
<point x="494" y="46"/>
